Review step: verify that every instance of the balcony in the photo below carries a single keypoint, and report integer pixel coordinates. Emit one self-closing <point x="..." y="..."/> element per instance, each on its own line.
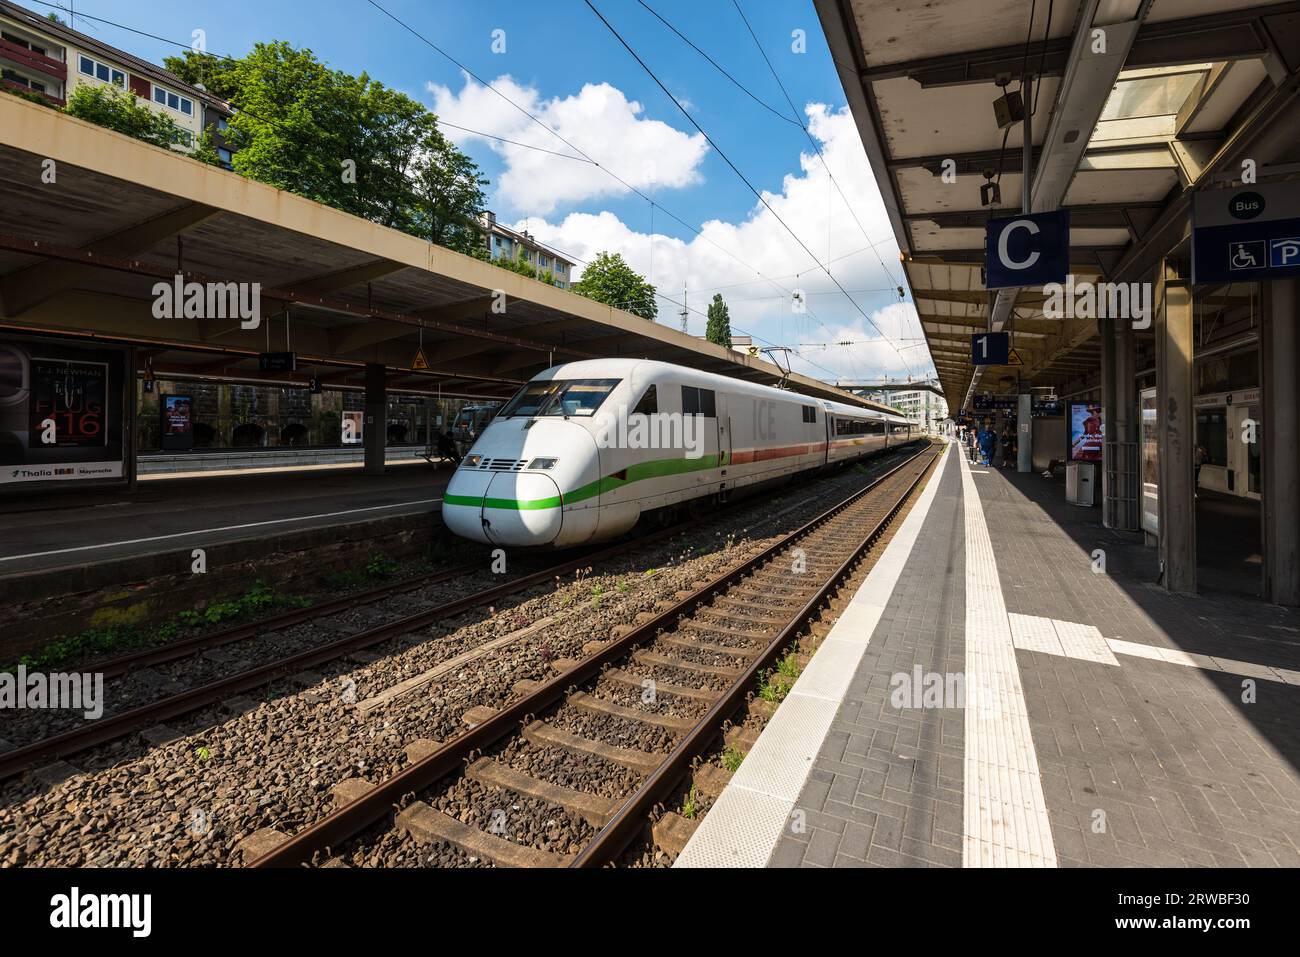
<point x="33" y="61"/>
<point x="22" y="89"/>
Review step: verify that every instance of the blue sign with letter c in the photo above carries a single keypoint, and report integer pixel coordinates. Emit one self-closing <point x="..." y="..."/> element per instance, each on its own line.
<point x="1030" y="250"/>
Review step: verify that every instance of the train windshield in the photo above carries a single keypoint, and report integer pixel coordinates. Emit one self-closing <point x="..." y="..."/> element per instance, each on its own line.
<point x="561" y="397"/>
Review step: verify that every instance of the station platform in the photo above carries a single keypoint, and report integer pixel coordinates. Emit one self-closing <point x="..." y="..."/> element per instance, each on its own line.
<point x="1009" y="687"/>
<point x="183" y="511"/>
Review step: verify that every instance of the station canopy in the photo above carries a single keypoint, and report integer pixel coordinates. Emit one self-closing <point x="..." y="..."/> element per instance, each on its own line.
<point x="1184" y="88"/>
<point x="91" y="221"/>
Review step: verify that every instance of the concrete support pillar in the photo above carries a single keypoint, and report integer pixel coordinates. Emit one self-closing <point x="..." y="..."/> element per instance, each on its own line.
<point x="1280" y="456"/>
<point x="131" y="399"/>
<point x="375" y="433"/>
<point x="1110" y="496"/>
<point x="1177" y="431"/>
<point x="1120" y="466"/>
<point x="1025" y="433"/>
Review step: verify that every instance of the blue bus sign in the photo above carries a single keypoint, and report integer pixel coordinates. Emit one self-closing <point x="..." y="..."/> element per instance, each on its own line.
<point x="1030" y="250"/>
<point x="1245" y="234"/>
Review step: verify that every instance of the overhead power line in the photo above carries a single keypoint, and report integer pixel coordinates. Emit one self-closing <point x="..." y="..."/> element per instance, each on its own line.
<point x="626" y="185"/>
<point x="735" y="169"/>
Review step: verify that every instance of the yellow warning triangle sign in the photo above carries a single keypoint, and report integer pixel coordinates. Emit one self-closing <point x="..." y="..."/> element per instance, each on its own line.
<point x="419" y="363"/>
<point x="1013" y="358"/>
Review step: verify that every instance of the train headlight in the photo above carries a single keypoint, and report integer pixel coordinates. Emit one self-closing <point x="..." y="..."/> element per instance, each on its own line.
<point x="473" y="460"/>
<point x="542" y="463"/>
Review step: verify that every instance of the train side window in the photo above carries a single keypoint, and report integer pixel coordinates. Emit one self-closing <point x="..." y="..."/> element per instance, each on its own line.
<point x="809" y="413"/>
<point x="690" y="400"/>
<point x="649" y="404"/>
<point x="699" y="402"/>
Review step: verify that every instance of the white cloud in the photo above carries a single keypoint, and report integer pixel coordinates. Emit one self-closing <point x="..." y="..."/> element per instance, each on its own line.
<point x="599" y="120"/>
<point x="810" y="204"/>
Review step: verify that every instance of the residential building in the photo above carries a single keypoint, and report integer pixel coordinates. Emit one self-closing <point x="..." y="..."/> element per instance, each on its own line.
<point x="39" y="55"/>
<point x="920" y="405"/>
<point x="502" y="241"/>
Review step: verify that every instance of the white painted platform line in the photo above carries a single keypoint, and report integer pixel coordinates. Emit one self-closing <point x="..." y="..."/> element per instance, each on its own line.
<point x="1005" y="813"/>
<point x="1067" y="639"/>
<point x="742" y="829"/>
<point x="1175" y="656"/>
<point x="1072" y="639"/>
<point x="223" y="528"/>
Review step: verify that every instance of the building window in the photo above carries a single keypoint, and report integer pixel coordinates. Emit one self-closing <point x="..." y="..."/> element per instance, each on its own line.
<point x="226" y="157"/>
<point x="25" y="44"/>
<point x="101" y="71"/>
<point x="173" y="101"/>
<point x="17" y="78"/>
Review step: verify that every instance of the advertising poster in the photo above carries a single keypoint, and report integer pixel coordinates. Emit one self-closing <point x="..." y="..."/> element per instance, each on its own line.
<point x="61" y="412"/>
<point x="177" y="431"/>
<point x="1087" y="432"/>
<point x="1150" y="463"/>
<point x="352" y="427"/>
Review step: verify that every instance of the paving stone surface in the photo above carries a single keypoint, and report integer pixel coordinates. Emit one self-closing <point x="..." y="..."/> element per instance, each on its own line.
<point x="1143" y="762"/>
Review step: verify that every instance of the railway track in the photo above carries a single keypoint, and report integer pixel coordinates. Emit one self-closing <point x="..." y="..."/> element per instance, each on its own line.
<point x="680" y="674"/>
<point x="117" y="726"/>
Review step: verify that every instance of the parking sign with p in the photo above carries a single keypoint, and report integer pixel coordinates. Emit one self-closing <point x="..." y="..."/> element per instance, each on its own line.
<point x="1246" y="234"/>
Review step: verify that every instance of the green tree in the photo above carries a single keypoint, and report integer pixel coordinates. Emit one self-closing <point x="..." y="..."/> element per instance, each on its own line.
<point x="609" y="279"/>
<point x="719" y="327"/>
<point x="448" y="195"/>
<point x="346" y="141"/>
<point x="119" y="110"/>
<point x="215" y="73"/>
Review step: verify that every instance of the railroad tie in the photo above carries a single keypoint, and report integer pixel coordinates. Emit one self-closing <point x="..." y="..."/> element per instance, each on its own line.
<point x="595" y="705"/>
<point x="660" y="687"/>
<point x="710" y="648"/>
<point x="543" y="734"/>
<point x="592" y="808"/>
<point x="672" y="831"/>
<point x="664" y="661"/>
<point x="422" y="823"/>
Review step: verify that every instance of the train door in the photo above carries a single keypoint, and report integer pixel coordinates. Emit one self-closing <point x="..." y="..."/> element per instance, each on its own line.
<point x="724" y="435"/>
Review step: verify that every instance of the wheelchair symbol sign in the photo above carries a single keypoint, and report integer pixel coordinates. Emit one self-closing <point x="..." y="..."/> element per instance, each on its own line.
<point x="1248" y="255"/>
<point x="1284" y="253"/>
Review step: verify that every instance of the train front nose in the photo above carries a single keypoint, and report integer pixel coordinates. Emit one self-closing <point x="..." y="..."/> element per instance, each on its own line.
<point x="503" y="508"/>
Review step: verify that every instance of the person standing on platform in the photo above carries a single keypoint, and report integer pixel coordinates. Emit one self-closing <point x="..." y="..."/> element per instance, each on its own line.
<point x="988" y="441"/>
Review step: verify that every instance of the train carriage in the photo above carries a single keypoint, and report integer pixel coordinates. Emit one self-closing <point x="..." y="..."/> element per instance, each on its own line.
<point x="587" y="449"/>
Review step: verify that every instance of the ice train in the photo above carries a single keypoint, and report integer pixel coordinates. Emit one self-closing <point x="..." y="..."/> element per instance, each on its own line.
<point x="586" y="449"/>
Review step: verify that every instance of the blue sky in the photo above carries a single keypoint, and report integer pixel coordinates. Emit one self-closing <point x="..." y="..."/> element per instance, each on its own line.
<point x="565" y="66"/>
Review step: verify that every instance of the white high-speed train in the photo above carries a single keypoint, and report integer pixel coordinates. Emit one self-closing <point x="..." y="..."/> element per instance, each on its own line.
<point x="587" y="448"/>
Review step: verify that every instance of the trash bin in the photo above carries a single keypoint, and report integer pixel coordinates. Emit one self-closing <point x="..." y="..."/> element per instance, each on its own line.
<point x="1081" y="483"/>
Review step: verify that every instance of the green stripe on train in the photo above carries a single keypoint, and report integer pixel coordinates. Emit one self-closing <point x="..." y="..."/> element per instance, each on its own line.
<point x="635" y="473"/>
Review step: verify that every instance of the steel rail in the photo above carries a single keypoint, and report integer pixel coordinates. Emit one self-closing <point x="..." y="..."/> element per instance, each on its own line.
<point x="631" y="816"/>
<point x="354" y="817"/>
<point x="111" y="728"/>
